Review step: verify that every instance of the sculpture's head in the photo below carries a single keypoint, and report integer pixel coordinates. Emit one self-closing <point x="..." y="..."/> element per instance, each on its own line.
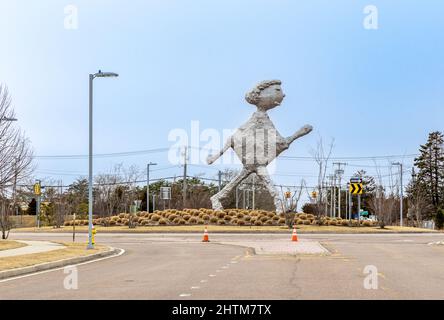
<point x="266" y="95"/>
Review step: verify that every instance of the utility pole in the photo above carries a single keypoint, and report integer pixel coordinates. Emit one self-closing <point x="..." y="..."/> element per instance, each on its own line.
<point x="148" y="185"/>
<point x="339" y="172"/>
<point x="402" y="194"/>
<point x="334" y="195"/>
<point x="331" y="195"/>
<point x="184" y="191"/>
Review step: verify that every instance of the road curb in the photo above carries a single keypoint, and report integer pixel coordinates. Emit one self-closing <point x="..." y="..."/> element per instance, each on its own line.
<point x="56" y="264"/>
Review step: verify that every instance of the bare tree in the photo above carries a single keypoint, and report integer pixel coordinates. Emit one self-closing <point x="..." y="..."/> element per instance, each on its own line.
<point x="383" y="202"/>
<point x="322" y="155"/>
<point x="15" y="160"/>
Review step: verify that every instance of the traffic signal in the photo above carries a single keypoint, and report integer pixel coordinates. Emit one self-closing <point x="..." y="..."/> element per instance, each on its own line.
<point x="288" y="194"/>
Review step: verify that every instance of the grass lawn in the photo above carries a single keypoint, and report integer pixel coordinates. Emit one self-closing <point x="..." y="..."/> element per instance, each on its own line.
<point x="230" y="229"/>
<point x="72" y="250"/>
<point x="6" y="245"/>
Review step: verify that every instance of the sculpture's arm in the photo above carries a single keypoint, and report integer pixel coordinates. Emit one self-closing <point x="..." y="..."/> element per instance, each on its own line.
<point x="300" y="133"/>
<point x="212" y="158"/>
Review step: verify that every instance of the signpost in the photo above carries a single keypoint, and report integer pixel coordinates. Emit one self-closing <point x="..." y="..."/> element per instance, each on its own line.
<point x="37" y="193"/>
<point x="356" y="188"/>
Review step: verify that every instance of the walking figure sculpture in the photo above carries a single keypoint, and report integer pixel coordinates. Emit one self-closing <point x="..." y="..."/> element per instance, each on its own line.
<point x="257" y="142"/>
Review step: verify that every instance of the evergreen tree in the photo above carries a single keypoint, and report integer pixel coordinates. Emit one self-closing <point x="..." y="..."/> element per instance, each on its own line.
<point x="430" y="164"/>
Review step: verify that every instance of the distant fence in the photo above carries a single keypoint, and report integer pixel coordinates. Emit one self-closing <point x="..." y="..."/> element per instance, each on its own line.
<point x="23" y="221"/>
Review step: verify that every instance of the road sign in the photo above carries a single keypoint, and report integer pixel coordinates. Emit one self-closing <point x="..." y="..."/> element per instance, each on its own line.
<point x="165" y="193"/>
<point x="356" y="188"/>
<point x="355" y="180"/>
<point x="37" y="189"/>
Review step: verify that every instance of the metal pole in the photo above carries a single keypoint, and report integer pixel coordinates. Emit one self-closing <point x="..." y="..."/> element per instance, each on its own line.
<point x="359" y="209"/>
<point x="334" y="196"/>
<point x="346" y="201"/>
<point x="90" y="165"/>
<point x="402" y="195"/>
<point x="254" y="192"/>
<point x="237" y="197"/>
<point x="148" y="187"/>
<point x="184" y="191"/>
<point x="154" y="202"/>
<point x="350" y="205"/>
<point x="220" y="180"/>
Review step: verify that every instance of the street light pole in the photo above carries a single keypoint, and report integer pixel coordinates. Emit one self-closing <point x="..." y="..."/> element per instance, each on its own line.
<point x="100" y="74"/>
<point x="402" y="193"/>
<point x="148" y="185"/>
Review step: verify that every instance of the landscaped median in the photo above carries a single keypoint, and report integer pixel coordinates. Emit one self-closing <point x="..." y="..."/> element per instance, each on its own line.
<point x="68" y="254"/>
<point x="232" y="229"/>
<point x="8" y="245"/>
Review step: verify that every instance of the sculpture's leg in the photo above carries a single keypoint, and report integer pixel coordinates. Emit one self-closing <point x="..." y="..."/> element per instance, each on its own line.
<point x="225" y="192"/>
<point x="262" y="173"/>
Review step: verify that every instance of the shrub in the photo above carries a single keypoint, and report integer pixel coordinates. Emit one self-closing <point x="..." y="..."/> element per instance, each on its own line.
<point x="240" y="215"/>
<point x="193" y="220"/>
<point x="176" y="220"/>
<point x="263" y="218"/>
<point x="240" y="222"/>
<point x="332" y="222"/>
<point x="155" y="217"/>
<point x="302" y="216"/>
<point x="306" y="222"/>
<point x="257" y="223"/>
<point x="269" y="222"/>
<point x="67" y="223"/>
<point x="213" y="219"/>
<point x="186" y="217"/>
<point x="234" y="221"/>
<point x="344" y="222"/>
<point x="112" y="222"/>
<point x="182" y="221"/>
<point x="200" y="221"/>
<point x="205" y="217"/>
<point x="227" y="218"/>
<point x="220" y="214"/>
<point x="247" y="218"/>
<point x="221" y="221"/>
<point x="367" y="223"/>
<point x="299" y="221"/>
<point x="281" y="220"/>
<point x="163" y="221"/>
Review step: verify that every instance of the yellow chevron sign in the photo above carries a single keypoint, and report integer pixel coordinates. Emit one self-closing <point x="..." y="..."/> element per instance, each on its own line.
<point x="356" y="188"/>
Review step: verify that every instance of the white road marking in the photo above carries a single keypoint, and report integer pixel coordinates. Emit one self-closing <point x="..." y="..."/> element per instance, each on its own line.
<point x="203" y="281"/>
<point x="122" y="251"/>
<point x="233" y="262"/>
<point x="184" y="294"/>
<point x="212" y="275"/>
<point x="194" y="288"/>
<point x="225" y="267"/>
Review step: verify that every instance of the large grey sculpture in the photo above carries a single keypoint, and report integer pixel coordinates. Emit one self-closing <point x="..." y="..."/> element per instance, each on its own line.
<point x="257" y="142"/>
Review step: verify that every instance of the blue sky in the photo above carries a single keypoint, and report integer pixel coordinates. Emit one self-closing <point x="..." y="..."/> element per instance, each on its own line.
<point x="377" y="92"/>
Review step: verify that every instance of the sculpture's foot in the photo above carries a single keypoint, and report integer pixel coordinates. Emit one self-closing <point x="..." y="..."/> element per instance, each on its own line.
<point x="215" y="203"/>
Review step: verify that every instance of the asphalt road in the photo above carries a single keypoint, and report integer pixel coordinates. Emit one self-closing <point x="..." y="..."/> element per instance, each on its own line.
<point x="179" y="266"/>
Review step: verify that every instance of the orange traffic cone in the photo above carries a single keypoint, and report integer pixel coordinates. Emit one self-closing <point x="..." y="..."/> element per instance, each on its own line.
<point x="294" y="236"/>
<point x="205" y="237"/>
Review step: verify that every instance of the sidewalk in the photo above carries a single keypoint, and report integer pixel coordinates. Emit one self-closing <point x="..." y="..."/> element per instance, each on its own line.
<point x="285" y="247"/>
<point x="32" y="247"/>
